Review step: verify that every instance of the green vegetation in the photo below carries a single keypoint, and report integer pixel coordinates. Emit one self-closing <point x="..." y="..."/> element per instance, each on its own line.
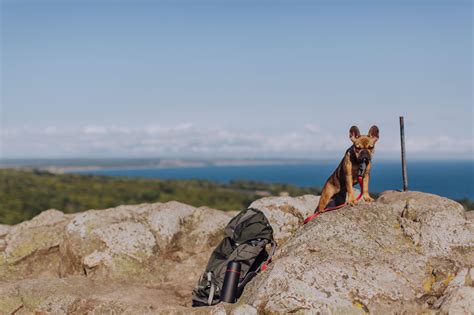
<point x="24" y="194"/>
<point x="468" y="204"/>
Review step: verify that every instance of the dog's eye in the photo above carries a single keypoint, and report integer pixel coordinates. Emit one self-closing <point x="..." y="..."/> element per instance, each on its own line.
<point x="371" y="147"/>
<point x="358" y="148"/>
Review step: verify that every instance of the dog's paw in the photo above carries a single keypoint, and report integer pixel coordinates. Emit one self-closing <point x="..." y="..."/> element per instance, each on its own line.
<point x="367" y="198"/>
<point x="352" y="202"/>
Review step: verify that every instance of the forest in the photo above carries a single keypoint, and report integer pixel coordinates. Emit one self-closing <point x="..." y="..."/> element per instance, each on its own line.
<point x="24" y="194"/>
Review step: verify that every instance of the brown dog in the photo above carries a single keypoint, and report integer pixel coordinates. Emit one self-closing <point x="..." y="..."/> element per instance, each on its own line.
<point x="345" y="175"/>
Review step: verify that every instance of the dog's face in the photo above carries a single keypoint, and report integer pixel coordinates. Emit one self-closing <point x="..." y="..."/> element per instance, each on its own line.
<point x="364" y="145"/>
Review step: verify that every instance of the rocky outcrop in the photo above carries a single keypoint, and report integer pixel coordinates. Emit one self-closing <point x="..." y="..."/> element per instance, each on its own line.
<point x="126" y="259"/>
<point x="286" y="214"/>
<point x="400" y="253"/>
<point x="31" y="248"/>
<point x="408" y="252"/>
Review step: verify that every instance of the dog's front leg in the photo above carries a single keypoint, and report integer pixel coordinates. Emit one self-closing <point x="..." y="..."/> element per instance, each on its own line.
<point x="365" y="188"/>
<point x="365" y="184"/>
<point x="351" y="200"/>
<point x="328" y="191"/>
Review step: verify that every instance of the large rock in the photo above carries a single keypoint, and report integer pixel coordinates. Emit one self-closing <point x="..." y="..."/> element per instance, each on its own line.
<point x="433" y="223"/>
<point x="286" y="214"/>
<point x="31" y="248"/>
<point x="458" y="298"/>
<point x="146" y="242"/>
<point x="399" y="253"/>
<point x="406" y="253"/>
<point x="125" y="259"/>
<point x="4" y="230"/>
<point x="82" y="295"/>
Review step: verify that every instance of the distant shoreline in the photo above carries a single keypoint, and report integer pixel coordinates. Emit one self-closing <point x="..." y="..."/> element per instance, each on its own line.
<point x="302" y="174"/>
<point x="386" y="174"/>
<point x="71" y="165"/>
<point x="58" y="168"/>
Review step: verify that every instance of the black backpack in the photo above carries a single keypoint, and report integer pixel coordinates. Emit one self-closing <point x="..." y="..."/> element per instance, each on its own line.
<point x="246" y="237"/>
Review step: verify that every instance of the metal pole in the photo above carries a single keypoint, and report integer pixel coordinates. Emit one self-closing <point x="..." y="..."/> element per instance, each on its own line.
<point x="404" y="159"/>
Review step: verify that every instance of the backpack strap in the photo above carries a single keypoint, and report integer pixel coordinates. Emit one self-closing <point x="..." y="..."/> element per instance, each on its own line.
<point x="264" y="265"/>
<point x="213" y="288"/>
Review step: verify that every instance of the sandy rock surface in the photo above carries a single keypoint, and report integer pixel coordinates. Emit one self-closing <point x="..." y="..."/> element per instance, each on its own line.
<point x="128" y="259"/>
<point x="399" y="253"/>
<point x="286" y="214"/>
<point x="408" y="252"/>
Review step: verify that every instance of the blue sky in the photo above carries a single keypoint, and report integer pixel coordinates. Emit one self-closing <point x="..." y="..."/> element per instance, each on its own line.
<point x="234" y="78"/>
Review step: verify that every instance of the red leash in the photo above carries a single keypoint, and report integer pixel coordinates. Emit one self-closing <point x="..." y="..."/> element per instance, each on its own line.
<point x="311" y="217"/>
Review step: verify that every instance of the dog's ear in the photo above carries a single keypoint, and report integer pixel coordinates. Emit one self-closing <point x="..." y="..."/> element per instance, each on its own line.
<point x="374" y="132"/>
<point x="354" y="133"/>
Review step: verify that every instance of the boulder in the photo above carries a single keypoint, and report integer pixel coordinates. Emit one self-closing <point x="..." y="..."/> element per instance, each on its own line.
<point x="147" y="242"/>
<point x="406" y="253"/>
<point x="118" y="260"/>
<point x="286" y="214"/>
<point x="4" y="229"/>
<point x="433" y="223"/>
<point x="82" y="295"/>
<point x="31" y="248"/>
<point x="399" y="253"/>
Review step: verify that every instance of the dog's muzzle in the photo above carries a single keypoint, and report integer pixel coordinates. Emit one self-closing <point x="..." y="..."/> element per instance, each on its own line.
<point x="364" y="156"/>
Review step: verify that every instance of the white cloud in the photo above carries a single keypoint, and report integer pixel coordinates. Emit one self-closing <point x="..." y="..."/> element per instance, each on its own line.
<point x="118" y="129"/>
<point x="153" y="129"/>
<point x="313" y="128"/>
<point x="50" y="130"/>
<point x="190" y="140"/>
<point x="183" y="126"/>
<point x="93" y="130"/>
<point x="440" y="144"/>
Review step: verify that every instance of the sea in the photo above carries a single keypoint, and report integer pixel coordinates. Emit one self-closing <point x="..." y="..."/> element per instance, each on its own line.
<point x="452" y="179"/>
